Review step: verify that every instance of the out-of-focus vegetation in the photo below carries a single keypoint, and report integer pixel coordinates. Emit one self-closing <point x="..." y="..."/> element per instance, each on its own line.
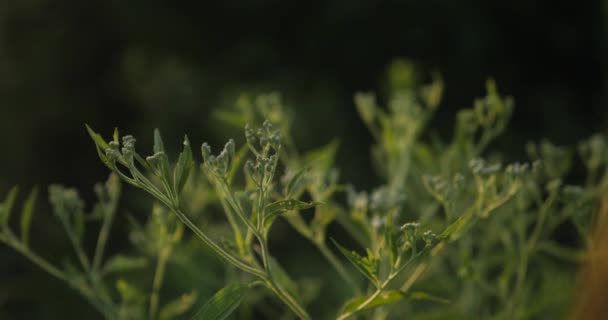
<point x="181" y="67"/>
<point x="493" y="245"/>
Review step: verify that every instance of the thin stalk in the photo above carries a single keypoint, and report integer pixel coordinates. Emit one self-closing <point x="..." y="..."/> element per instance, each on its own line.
<point x="528" y="247"/>
<point x="289" y="300"/>
<point x="159" y="274"/>
<point x="82" y="257"/>
<point x="364" y="304"/>
<point x="214" y="246"/>
<point x="103" y="235"/>
<point x="421" y="268"/>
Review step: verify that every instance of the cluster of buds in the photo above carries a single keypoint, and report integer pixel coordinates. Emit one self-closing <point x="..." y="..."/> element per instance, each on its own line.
<point x="222" y="163"/>
<point x="124" y="155"/>
<point x="266" y="139"/>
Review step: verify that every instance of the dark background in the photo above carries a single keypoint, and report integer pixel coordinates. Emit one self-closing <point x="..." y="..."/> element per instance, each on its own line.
<point x="139" y="65"/>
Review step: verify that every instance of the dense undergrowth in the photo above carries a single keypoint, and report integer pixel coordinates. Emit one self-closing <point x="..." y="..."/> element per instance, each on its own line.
<point x="451" y="233"/>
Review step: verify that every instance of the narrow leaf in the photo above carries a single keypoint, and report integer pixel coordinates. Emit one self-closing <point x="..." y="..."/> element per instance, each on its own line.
<point x="294" y="183"/>
<point x="99" y="141"/>
<point x="281" y="206"/>
<point x="223" y="303"/>
<point x="159" y="146"/>
<point x="365" y="266"/>
<point x="454" y="230"/>
<point x="26" y="215"/>
<point x="183" y="167"/>
<point x="116" y="135"/>
<point x="101" y="146"/>
<point x="7" y="205"/>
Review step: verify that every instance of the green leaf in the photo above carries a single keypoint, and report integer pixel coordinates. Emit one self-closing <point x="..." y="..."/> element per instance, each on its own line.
<point x="159" y="146"/>
<point x="7" y="206"/>
<point x="101" y="146"/>
<point x="178" y="306"/>
<point x="274" y="209"/>
<point x="392" y="243"/>
<point x="294" y="183"/>
<point x="389" y="297"/>
<point x="159" y="161"/>
<point x="26" y="215"/>
<point x="281" y="206"/>
<point x="367" y="266"/>
<point x="116" y="135"/>
<point x="120" y="263"/>
<point x="455" y="229"/>
<point x="183" y="167"/>
<point x="223" y="303"/>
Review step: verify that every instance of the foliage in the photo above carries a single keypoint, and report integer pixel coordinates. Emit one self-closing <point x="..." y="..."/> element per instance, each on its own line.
<point x="447" y="233"/>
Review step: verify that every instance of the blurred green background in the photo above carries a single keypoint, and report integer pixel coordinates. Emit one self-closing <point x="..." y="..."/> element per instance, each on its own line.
<point x="138" y="65"/>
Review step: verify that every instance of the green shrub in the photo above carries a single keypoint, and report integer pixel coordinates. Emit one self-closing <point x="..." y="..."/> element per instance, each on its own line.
<point x="448" y="234"/>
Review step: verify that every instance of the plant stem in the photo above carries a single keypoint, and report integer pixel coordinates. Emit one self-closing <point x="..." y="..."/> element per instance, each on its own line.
<point x="364" y="304"/>
<point x="288" y="300"/>
<point x="82" y="257"/>
<point x="214" y="246"/>
<point x="159" y="274"/>
<point x="103" y="235"/>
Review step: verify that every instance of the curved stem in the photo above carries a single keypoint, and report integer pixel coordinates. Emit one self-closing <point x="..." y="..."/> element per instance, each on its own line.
<point x="214" y="246"/>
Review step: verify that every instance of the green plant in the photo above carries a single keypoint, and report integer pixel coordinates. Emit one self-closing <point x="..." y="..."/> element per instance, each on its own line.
<point x="447" y="234"/>
<point x="91" y="275"/>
